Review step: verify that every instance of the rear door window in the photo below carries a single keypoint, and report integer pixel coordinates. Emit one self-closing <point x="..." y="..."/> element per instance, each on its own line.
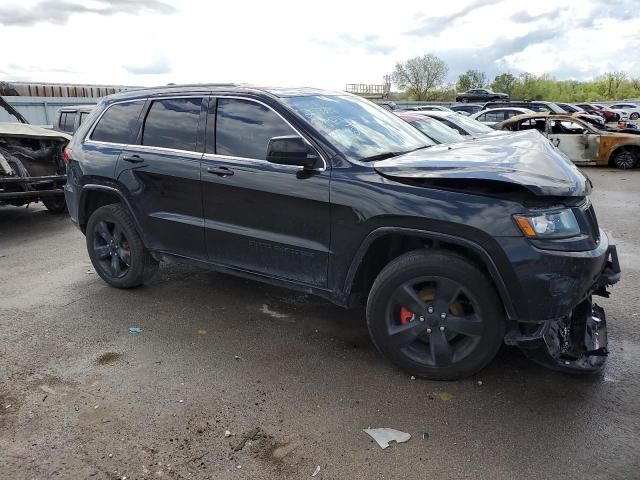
<point x="83" y="117"/>
<point x="119" y="124"/>
<point x="244" y="128"/>
<point x="173" y="123"/>
<point x="69" y="120"/>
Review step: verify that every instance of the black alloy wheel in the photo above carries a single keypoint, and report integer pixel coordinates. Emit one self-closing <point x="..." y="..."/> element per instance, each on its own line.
<point x="116" y="249"/>
<point x="111" y="249"/>
<point x="436" y="315"/>
<point x="435" y="321"/>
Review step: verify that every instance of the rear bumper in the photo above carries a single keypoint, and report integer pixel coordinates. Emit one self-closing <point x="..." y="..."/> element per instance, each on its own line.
<point x="20" y="188"/>
<point x="575" y="343"/>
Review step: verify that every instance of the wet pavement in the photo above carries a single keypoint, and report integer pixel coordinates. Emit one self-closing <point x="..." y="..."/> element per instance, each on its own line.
<point x="293" y="378"/>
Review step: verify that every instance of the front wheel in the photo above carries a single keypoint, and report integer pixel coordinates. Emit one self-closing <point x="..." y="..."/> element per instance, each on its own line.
<point x="116" y="250"/>
<point x="435" y="315"/>
<point x="634" y="116"/>
<point x="624" y="159"/>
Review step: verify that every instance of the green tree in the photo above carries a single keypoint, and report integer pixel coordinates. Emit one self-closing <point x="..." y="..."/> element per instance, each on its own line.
<point x="420" y="76"/>
<point x="471" y="79"/>
<point x="504" y="83"/>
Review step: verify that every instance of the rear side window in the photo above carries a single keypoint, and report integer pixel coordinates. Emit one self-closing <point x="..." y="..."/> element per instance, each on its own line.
<point x="173" y="123"/>
<point x="68" y="123"/>
<point x="244" y="128"/>
<point x="118" y="124"/>
<point x="83" y="117"/>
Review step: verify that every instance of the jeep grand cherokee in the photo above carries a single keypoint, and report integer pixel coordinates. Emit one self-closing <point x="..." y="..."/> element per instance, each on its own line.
<point x="454" y="248"/>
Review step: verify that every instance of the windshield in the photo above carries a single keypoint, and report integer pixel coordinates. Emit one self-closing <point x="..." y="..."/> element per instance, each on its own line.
<point x="469" y="125"/>
<point x="357" y="127"/>
<point x="437" y="131"/>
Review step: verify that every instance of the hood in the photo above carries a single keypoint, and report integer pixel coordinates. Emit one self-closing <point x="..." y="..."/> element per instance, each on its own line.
<point x="524" y="158"/>
<point x="26" y="130"/>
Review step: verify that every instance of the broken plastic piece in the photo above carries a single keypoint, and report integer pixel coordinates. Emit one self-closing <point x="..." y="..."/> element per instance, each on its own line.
<point x="316" y="471"/>
<point x="135" y="330"/>
<point x="383" y="436"/>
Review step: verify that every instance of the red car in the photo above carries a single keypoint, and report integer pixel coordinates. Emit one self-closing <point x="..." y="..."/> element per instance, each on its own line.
<point x="605" y="112"/>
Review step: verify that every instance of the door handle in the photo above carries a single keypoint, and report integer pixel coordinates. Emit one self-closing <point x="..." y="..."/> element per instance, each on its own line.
<point x="220" y="171"/>
<point x="133" y="159"/>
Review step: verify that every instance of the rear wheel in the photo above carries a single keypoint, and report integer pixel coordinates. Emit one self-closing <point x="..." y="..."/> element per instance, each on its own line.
<point x="116" y="250"/>
<point x="55" y="204"/>
<point x="634" y="116"/>
<point x="435" y="315"/>
<point x="624" y="159"/>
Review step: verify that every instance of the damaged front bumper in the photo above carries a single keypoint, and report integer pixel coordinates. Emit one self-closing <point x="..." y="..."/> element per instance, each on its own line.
<point x="576" y="343"/>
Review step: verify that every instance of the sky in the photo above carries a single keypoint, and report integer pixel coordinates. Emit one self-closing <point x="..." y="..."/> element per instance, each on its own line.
<point x="323" y="44"/>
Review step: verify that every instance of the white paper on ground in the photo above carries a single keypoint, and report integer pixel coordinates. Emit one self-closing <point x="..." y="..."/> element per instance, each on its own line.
<point x="383" y="436"/>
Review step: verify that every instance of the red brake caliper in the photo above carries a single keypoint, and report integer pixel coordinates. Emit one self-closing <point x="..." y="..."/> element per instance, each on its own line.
<point x="405" y="316"/>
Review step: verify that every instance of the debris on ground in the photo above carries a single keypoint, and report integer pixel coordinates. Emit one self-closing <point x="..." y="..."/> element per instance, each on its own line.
<point x="254" y="434"/>
<point x="237" y="357"/>
<point x="227" y="433"/>
<point x="383" y="436"/>
<point x="135" y="330"/>
<point x="425" y="435"/>
<point x="202" y="331"/>
<point x="479" y="382"/>
<point x="316" y="471"/>
<point x="445" y="397"/>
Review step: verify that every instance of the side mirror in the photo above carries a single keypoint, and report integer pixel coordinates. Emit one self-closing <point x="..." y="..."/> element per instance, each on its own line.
<point x="292" y="150"/>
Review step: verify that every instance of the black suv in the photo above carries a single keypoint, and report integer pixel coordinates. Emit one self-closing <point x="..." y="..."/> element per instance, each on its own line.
<point x="480" y="95"/>
<point x="454" y="248"/>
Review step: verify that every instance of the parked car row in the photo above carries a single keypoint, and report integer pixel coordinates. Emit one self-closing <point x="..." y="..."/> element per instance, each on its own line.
<point x="582" y="137"/>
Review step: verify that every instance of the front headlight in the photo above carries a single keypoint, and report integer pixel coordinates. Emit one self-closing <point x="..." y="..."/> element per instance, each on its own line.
<point x="559" y="224"/>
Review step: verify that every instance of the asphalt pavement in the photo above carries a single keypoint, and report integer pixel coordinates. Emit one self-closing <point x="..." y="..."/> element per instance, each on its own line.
<point x="229" y="378"/>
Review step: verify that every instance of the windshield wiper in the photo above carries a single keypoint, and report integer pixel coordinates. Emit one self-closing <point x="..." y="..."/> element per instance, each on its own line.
<point x="385" y="155"/>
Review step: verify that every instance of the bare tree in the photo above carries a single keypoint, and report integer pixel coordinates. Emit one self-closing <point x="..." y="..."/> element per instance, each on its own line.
<point x="420" y="75"/>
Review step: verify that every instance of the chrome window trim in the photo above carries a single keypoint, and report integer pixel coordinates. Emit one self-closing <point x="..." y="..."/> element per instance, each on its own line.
<point x="253" y="161"/>
<point x="87" y="138"/>
<point x="142" y="148"/>
<point x="238" y="97"/>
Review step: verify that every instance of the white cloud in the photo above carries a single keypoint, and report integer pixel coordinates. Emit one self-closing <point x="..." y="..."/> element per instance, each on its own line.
<point x="291" y="43"/>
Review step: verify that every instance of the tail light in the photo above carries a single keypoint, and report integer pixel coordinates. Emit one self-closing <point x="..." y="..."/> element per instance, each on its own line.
<point x="66" y="156"/>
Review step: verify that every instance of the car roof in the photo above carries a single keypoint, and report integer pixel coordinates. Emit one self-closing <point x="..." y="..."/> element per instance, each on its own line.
<point x="79" y="108"/>
<point x="438" y="113"/>
<point x="518" y="109"/>
<point x="211" y="88"/>
<point x="412" y="116"/>
<point x="549" y="115"/>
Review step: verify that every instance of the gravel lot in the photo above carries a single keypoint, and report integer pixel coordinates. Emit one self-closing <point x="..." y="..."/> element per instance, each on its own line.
<point x="298" y="378"/>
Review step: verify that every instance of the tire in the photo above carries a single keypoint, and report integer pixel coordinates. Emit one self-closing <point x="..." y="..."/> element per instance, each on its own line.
<point x="634" y="116"/>
<point x="415" y="342"/>
<point x="116" y="249"/>
<point x="624" y="159"/>
<point x="55" y="204"/>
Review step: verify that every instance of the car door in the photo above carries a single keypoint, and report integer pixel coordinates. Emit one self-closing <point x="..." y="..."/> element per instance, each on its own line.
<point x="573" y="139"/>
<point x="161" y="175"/>
<point x="261" y="217"/>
